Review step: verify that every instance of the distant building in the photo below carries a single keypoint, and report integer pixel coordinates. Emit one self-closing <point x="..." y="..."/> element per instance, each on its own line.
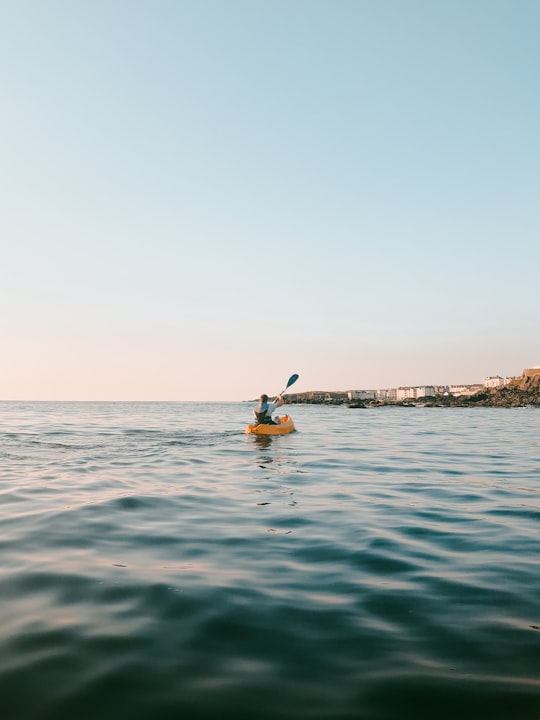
<point x="405" y="393"/>
<point x="362" y="394"/>
<point x="414" y="393"/>
<point x="460" y="390"/>
<point x="386" y="395"/>
<point x="496" y="381"/>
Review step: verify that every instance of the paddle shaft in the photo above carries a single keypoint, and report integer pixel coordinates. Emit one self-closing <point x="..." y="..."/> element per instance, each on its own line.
<point x="292" y="380"/>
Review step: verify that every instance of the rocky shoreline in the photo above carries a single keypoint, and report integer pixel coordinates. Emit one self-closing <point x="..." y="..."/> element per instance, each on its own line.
<point x="521" y="392"/>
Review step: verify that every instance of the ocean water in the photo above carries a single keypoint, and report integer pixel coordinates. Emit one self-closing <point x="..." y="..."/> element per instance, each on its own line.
<point x="156" y="562"/>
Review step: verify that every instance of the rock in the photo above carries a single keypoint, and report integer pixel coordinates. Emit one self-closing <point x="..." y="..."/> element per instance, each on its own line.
<point x="523" y="391"/>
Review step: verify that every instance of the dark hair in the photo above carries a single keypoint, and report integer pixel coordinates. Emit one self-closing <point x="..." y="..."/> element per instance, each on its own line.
<point x="264" y="398"/>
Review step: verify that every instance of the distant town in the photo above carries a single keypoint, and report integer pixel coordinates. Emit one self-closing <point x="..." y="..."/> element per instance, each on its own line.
<point x="494" y="390"/>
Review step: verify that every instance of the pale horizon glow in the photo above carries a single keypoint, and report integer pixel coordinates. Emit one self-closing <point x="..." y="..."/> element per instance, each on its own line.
<point x="201" y="198"/>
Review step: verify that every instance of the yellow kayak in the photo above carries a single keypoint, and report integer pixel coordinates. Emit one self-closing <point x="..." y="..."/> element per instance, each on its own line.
<point x="285" y="425"/>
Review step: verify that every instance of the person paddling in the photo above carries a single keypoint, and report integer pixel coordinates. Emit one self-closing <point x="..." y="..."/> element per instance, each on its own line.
<point x="262" y="412"/>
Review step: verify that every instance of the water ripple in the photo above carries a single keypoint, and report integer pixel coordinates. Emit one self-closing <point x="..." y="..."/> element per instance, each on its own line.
<point x="372" y="565"/>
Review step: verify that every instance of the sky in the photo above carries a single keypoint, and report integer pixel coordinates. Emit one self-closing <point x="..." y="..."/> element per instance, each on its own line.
<point x="199" y="198"/>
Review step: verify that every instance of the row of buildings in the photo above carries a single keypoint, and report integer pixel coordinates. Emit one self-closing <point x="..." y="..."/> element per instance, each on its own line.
<point x="528" y="379"/>
<point x="426" y="391"/>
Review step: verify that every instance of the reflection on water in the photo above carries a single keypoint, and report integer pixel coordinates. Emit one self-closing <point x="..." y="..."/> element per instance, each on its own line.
<point x="375" y="565"/>
<point x="262" y="441"/>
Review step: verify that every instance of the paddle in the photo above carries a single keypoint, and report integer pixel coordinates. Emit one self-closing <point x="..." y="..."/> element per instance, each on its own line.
<point x="292" y="380"/>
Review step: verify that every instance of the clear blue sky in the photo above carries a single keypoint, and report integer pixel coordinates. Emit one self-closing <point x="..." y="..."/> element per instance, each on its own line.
<point x="199" y="198"/>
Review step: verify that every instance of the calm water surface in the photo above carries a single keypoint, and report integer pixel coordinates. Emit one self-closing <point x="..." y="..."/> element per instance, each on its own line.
<point x="376" y="564"/>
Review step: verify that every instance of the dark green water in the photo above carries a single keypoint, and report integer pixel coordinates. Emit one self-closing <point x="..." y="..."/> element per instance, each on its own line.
<point x="377" y="564"/>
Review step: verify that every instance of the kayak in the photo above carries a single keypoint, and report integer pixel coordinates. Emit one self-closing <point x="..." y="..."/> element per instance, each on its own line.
<point x="285" y="425"/>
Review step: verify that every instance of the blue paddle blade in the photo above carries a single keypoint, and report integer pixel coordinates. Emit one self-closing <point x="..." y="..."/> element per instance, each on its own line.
<point x="292" y="380"/>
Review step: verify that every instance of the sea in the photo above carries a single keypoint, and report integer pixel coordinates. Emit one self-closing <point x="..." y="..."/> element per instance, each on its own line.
<point x="158" y="563"/>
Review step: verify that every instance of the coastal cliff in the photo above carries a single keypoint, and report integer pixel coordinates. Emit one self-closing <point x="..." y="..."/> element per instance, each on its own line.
<point x="511" y="395"/>
<point x="521" y="392"/>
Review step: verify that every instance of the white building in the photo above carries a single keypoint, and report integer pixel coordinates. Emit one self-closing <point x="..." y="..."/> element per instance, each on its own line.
<point x="362" y="394"/>
<point x="405" y="393"/>
<point x="458" y="390"/>
<point x="414" y="393"/>
<point x="387" y="395"/>
<point x="495" y="381"/>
